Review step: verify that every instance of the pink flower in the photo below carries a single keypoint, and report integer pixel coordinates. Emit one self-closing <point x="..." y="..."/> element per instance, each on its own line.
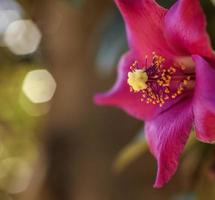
<point x="167" y="78"/>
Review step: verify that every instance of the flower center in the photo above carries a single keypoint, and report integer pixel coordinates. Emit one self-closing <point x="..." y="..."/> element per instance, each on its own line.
<point x="158" y="82"/>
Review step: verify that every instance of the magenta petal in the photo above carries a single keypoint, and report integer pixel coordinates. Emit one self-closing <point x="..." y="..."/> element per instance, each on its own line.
<point x="144" y="21"/>
<point x="167" y="135"/>
<point x="121" y="96"/>
<point x="204" y="101"/>
<point x="186" y="28"/>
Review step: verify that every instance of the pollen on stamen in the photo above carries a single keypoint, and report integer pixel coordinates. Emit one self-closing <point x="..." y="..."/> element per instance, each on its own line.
<point x="155" y="81"/>
<point x="137" y="79"/>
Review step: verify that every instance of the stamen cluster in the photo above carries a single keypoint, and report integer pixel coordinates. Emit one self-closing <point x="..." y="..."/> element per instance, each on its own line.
<point x="163" y="83"/>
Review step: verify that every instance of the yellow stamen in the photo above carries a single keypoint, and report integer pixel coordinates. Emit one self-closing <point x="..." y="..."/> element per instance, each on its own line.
<point x="155" y="83"/>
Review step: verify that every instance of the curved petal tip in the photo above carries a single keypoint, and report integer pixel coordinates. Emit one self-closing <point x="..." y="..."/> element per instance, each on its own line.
<point x="167" y="135"/>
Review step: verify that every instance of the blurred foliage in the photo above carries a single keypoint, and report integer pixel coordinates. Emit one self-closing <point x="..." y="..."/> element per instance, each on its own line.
<point x="166" y="4"/>
<point x="112" y="43"/>
<point x="129" y="154"/>
<point x="77" y="3"/>
<point x="138" y="147"/>
<point x="18" y="146"/>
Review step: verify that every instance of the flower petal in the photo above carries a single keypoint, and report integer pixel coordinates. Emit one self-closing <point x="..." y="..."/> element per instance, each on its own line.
<point x="121" y="96"/>
<point x="204" y="101"/>
<point x="167" y="135"/>
<point x="185" y="27"/>
<point x="144" y="21"/>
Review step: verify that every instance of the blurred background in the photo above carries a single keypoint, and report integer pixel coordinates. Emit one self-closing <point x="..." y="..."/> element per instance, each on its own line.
<point x="55" y="144"/>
